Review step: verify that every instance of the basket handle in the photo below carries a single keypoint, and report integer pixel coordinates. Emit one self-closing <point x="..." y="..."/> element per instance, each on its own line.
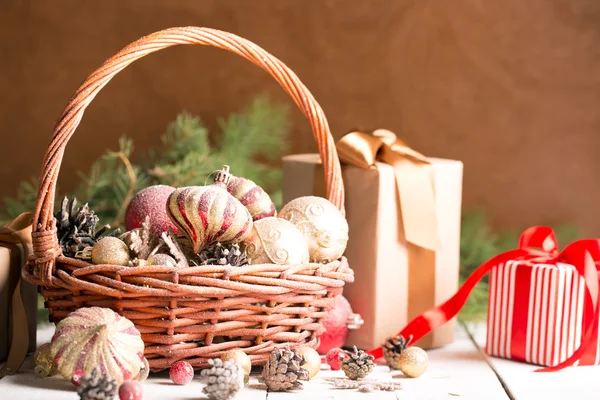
<point x="45" y="243"/>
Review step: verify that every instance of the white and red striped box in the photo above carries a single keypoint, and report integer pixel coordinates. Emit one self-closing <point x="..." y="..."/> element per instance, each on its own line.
<point x="535" y="314"/>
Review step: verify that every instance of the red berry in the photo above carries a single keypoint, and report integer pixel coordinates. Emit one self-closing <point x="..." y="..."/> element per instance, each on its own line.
<point x="333" y="358"/>
<point x="181" y="372"/>
<point x="131" y="390"/>
<point x="150" y="201"/>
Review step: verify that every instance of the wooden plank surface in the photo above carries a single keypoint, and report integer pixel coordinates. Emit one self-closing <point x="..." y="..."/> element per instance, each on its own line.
<point x="457" y="371"/>
<point x="523" y="383"/>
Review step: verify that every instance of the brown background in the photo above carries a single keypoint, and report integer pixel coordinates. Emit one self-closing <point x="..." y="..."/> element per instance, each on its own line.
<point x="511" y="88"/>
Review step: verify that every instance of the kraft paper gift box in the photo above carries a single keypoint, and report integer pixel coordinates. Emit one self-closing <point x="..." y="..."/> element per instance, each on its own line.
<point x="18" y="312"/>
<point x="395" y="279"/>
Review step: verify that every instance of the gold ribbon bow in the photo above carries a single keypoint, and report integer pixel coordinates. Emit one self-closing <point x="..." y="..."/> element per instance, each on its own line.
<point x="15" y="233"/>
<point x="414" y="180"/>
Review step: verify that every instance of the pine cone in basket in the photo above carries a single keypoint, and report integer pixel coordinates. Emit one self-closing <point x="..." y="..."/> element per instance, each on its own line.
<point x="356" y="364"/>
<point x="282" y="370"/>
<point x="97" y="386"/>
<point x="223" y="254"/>
<point x="393" y="347"/>
<point x="223" y="380"/>
<point x="76" y="228"/>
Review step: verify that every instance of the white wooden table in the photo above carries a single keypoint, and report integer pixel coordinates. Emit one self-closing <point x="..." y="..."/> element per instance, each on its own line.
<point x="458" y="371"/>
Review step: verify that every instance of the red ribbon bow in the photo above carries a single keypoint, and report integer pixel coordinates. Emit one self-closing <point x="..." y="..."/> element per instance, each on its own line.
<point x="537" y="245"/>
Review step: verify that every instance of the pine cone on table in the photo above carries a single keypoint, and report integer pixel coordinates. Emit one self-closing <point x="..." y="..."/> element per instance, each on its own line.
<point x="223" y="380"/>
<point x="283" y="372"/>
<point x="223" y="254"/>
<point x="356" y="364"/>
<point x="76" y="228"/>
<point x="393" y="347"/>
<point x="97" y="386"/>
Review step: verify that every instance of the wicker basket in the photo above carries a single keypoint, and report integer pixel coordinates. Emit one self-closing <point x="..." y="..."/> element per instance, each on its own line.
<point x="193" y="313"/>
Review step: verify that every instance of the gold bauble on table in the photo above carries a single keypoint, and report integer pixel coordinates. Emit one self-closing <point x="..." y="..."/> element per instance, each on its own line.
<point x="144" y="371"/>
<point x="43" y="362"/>
<point x="276" y="241"/>
<point x="110" y="250"/>
<point x="312" y="360"/>
<point x="413" y="361"/>
<point x="321" y="223"/>
<point x="240" y="358"/>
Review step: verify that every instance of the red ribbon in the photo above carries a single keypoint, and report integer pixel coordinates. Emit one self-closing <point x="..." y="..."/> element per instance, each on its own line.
<point x="536" y="245"/>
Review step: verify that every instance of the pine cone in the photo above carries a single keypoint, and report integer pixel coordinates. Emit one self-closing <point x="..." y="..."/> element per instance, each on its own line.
<point x="97" y="386"/>
<point x="356" y="364"/>
<point x="76" y="228"/>
<point x="283" y="372"/>
<point x="393" y="347"/>
<point x="223" y="380"/>
<point x="223" y="254"/>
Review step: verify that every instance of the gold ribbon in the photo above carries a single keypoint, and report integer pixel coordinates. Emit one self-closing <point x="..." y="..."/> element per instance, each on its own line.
<point x="18" y="232"/>
<point x="414" y="180"/>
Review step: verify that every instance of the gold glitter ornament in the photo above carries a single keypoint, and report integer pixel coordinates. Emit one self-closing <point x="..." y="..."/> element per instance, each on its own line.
<point x="312" y="360"/>
<point x="276" y="241"/>
<point x="110" y="250"/>
<point x="43" y="362"/>
<point x="95" y="336"/>
<point x="161" y="259"/>
<point x="321" y="223"/>
<point x="209" y="214"/>
<point x="240" y="358"/>
<point x="413" y="361"/>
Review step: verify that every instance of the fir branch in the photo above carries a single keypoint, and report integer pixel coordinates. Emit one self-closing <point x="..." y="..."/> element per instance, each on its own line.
<point x="132" y="181"/>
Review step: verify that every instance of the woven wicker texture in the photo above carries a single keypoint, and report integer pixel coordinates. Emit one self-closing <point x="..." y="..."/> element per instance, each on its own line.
<point x="193" y="313"/>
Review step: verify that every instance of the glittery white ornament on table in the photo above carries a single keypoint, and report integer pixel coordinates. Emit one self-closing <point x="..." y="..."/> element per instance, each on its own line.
<point x="95" y="336"/>
<point x="321" y="223"/>
<point x="276" y="241"/>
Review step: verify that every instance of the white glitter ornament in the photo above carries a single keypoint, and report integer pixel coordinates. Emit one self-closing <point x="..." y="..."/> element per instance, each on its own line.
<point x="96" y="336"/>
<point x="276" y="241"/>
<point x="321" y="223"/>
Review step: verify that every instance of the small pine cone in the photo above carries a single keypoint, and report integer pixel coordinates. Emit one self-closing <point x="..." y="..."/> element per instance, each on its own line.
<point x="97" y="386"/>
<point x="223" y="380"/>
<point x="76" y="228"/>
<point x="223" y="254"/>
<point x="356" y="364"/>
<point x="283" y="372"/>
<point x="393" y="347"/>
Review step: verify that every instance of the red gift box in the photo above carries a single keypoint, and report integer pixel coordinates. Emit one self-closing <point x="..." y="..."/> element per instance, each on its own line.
<point x="535" y="313"/>
<point x="543" y="304"/>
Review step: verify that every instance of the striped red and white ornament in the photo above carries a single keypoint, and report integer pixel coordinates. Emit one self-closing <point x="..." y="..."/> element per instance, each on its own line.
<point x="535" y="314"/>
<point x="209" y="214"/>
<point x="96" y="336"/>
<point x="253" y="197"/>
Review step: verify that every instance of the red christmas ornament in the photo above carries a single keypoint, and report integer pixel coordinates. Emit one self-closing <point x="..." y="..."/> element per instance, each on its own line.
<point x="253" y="197"/>
<point x="333" y="358"/>
<point x="150" y="201"/>
<point x="340" y="320"/>
<point x="181" y="373"/>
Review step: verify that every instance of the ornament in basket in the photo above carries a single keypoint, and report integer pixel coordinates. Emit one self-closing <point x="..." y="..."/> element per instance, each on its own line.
<point x="178" y="286"/>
